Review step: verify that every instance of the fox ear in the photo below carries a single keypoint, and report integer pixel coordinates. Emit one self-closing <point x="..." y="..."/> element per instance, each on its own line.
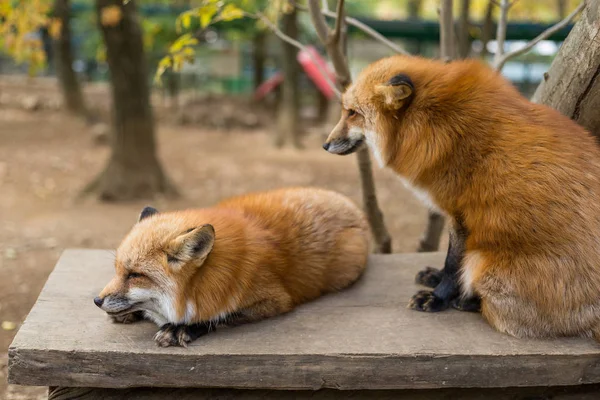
<point x="195" y="244"/>
<point x="396" y="92"/>
<point x="147" y="212"/>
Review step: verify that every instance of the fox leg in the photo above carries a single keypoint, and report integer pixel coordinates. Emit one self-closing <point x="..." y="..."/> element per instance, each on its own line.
<point x="447" y="286"/>
<point x="278" y="304"/>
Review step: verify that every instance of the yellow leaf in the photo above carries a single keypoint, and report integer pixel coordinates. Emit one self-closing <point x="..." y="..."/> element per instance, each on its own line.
<point x="9" y="326"/>
<point x="186" y="20"/>
<point x="206" y="14"/>
<point x="111" y="16"/>
<point x="231" y="12"/>
<point x="55" y="28"/>
<point x="183" y="41"/>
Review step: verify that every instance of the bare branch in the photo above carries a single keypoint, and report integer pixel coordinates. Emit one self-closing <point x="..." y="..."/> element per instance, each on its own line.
<point x="369" y="31"/>
<point x="335" y="37"/>
<point x="500" y="61"/>
<point x="362" y="26"/>
<point x="325" y="5"/>
<point x="298" y="45"/>
<point x="446" y="30"/>
<point x="501" y="29"/>
<point x="318" y="21"/>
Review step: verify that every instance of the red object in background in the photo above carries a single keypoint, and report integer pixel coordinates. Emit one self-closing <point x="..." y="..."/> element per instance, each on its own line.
<point x="268" y="86"/>
<point x="314" y="72"/>
<point x="311" y="69"/>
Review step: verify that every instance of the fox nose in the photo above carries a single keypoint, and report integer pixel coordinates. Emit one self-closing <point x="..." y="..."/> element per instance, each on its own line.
<point x="326" y="146"/>
<point x="98" y="301"/>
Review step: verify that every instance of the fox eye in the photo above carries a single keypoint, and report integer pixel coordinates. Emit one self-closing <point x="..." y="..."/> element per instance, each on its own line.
<point x="133" y="275"/>
<point x="351" y="112"/>
<point x="172" y="259"/>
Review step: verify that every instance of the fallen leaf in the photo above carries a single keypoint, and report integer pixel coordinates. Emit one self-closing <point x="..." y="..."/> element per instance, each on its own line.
<point x="8" y="325"/>
<point x="10" y="253"/>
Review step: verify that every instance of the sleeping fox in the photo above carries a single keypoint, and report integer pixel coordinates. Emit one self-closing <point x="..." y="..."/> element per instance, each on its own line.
<point x="248" y="258"/>
<point x="519" y="181"/>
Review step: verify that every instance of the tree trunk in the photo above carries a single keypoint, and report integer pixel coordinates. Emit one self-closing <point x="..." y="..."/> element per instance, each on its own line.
<point x="435" y="221"/>
<point x="336" y="52"/>
<point x="259" y="55"/>
<point x="487" y="28"/>
<point x="133" y="170"/>
<point x="446" y="31"/>
<point x="322" y="106"/>
<point x="572" y="84"/>
<point x="561" y="7"/>
<point x="464" y="38"/>
<point x="67" y="79"/>
<point x="287" y="119"/>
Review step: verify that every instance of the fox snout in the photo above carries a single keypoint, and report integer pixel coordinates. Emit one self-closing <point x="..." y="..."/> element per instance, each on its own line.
<point x="344" y="140"/>
<point x="113" y="304"/>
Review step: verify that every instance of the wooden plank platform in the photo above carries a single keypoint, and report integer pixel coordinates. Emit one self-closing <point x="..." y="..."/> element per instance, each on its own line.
<point x="361" y="339"/>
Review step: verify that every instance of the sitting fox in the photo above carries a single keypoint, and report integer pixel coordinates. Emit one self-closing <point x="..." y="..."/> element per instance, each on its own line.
<point x="248" y="258"/>
<point x="519" y="181"/>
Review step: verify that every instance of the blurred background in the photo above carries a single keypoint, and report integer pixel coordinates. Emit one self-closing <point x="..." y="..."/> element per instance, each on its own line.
<point x="106" y="107"/>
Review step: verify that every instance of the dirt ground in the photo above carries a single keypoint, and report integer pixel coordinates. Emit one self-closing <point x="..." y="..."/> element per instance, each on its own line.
<point x="47" y="157"/>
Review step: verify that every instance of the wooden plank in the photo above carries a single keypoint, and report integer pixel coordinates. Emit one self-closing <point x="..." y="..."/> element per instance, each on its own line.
<point x="362" y="338"/>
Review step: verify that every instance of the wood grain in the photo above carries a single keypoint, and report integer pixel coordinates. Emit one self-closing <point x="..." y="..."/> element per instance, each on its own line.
<point x="362" y="338"/>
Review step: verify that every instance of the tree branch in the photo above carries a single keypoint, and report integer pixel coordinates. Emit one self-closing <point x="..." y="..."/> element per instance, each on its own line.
<point x="369" y="31"/>
<point x="298" y="45"/>
<point x="501" y="29"/>
<point x="318" y="21"/>
<point x="500" y="61"/>
<point x="362" y="26"/>
<point x="335" y="37"/>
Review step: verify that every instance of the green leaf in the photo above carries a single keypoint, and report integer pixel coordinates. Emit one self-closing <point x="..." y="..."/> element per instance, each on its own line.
<point x="231" y="12"/>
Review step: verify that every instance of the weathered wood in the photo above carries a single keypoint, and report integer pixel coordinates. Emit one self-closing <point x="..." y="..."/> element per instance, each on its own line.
<point x="362" y="338"/>
<point x="583" y="392"/>
<point x="572" y="84"/>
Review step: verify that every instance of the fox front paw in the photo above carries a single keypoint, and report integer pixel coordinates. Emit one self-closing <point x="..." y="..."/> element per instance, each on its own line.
<point x="430" y="277"/>
<point x="181" y="335"/>
<point x="172" y="335"/>
<point x="469" y="304"/>
<point x="426" y="301"/>
<point x="128" y="318"/>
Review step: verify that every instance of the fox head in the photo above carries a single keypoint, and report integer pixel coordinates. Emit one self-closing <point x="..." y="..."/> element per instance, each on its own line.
<point x="390" y="107"/>
<point x="154" y="265"/>
<point x="371" y="107"/>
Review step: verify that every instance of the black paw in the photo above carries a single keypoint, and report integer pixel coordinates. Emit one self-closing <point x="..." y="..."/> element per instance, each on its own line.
<point x="430" y="277"/>
<point x="128" y="318"/>
<point x="469" y="304"/>
<point x="426" y="301"/>
<point x="172" y="335"/>
<point x="180" y="335"/>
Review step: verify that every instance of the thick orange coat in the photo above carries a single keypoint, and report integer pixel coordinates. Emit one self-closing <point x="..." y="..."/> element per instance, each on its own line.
<point x="271" y="252"/>
<point x="524" y="180"/>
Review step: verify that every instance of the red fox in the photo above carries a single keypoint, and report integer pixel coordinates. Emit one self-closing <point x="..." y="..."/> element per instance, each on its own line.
<point x="519" y="181"/>
<point x="248" y="258"/>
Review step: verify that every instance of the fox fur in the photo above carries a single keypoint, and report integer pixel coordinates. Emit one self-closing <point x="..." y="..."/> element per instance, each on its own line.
<point x="519" y="179"/>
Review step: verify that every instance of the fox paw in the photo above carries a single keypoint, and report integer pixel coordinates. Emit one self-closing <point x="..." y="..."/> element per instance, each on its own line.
<point x="128" y="318"/>
<point x="172" y="335"/>
<point x="181" y="335"/>
<point x="426" y="301"/>
<point x="430" y="277"/>
<point x="470" y="304"/>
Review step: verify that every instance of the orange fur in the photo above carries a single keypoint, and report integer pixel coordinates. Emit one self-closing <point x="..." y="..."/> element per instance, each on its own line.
<point x="272" y="251"/>
<point x="523" y="178"/>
